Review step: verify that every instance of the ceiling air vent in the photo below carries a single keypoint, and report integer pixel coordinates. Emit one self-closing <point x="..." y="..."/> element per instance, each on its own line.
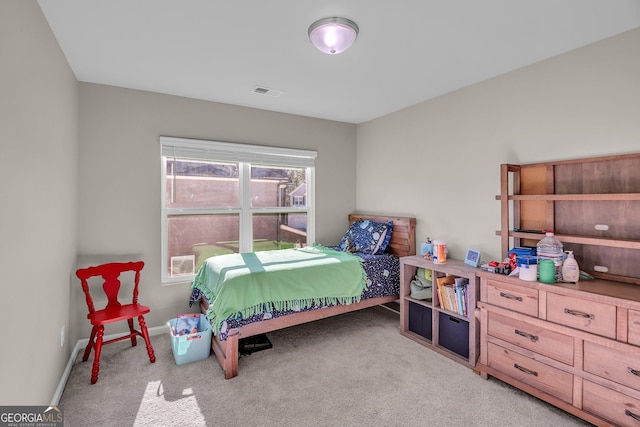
<point x="261" y="90"/>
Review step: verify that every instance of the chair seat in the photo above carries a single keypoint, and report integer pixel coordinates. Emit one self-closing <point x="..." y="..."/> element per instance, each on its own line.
<point x="117" y="314"/>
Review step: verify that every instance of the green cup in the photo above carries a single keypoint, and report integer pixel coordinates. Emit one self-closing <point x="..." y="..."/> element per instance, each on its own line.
<point x="547" y="269"/>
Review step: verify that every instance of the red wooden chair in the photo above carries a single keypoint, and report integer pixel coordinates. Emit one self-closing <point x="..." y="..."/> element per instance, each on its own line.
<point x="114" y="310"/>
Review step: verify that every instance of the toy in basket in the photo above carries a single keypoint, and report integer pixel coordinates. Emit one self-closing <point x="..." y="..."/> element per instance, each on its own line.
<point x="186" y="324"/>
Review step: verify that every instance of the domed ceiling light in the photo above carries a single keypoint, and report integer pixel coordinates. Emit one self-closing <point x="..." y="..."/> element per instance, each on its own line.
<point x="333" y="35"/>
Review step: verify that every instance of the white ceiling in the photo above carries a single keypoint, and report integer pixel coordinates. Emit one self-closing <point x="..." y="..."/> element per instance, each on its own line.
<point x="408" y="51"/>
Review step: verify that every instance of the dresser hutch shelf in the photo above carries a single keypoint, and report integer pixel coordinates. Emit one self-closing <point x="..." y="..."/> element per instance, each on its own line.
<point x="576" y="346"/>
<point x="592" y="205"/>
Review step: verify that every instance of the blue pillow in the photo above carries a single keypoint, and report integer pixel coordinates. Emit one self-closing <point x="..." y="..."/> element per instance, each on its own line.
<point x="368" y="237"/>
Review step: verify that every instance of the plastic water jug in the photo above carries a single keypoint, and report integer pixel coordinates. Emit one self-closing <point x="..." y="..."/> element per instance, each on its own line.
<point x="551" y="248"/>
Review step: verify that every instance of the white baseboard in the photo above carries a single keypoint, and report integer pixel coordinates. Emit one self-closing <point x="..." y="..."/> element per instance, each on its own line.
<point x="80" y="346"/>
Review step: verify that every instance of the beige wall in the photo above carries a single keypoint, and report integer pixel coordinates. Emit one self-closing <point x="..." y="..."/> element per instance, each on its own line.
<point x="119" y="175"/>
<point x="583" y="103"/>
<point x="38" y="137"/>
<point x="445" y="170"/>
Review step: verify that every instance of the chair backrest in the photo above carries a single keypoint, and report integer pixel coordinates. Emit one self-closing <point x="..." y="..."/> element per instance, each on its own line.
<point x="110" y="273"/>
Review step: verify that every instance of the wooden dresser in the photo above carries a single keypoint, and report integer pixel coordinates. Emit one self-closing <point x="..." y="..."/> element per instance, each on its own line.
<point x="576" y="346"/>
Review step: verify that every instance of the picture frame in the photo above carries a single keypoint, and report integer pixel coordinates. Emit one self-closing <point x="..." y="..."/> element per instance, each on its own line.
<point x="472" y="258"/>
<point x="183" y="265"/>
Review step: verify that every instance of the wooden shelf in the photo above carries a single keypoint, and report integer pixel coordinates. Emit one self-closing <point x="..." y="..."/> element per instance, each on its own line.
<point x="425" y="303"/>
<point x="573" y="197"/>
<point x="592" y="206"/>
<point x="449" y="333"/>
<point x="600" y="241"/>
<point x="429" y="304"/>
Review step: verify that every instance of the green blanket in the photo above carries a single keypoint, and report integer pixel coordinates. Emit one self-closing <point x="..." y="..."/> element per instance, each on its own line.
<point x="290" y="279"/>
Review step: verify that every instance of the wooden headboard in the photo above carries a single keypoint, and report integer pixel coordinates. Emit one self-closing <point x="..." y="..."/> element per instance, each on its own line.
<point x="403" y="237"/>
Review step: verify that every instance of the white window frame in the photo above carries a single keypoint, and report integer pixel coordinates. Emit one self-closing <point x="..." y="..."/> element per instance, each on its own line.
<point x="245" y="155"/>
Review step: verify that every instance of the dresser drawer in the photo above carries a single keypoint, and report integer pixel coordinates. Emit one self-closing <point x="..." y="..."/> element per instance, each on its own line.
<point x="634" y="327"/>
<point x="513" y="297"/>
<point x="550" y="380"/>
<point x="615" y="407"/>
<point x="594" y="317"/>
<point x="535" y="338"/>
<point x="613" y="364"/>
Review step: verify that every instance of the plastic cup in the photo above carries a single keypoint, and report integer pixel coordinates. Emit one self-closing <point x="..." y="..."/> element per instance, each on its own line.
<point x="528" y="272"/>
<point x="547" y="270"/>
<point x="439" y="252"/>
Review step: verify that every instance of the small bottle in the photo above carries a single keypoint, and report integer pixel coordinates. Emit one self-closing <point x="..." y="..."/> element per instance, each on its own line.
<point x="439" y="252"/>
<point x="570" y="269"/>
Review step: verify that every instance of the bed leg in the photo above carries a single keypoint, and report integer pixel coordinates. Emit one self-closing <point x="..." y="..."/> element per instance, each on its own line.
<point x="231" y="361"/>
<point x="227" y="353"/>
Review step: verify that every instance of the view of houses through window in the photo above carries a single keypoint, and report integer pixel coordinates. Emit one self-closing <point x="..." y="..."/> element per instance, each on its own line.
<point x="212" y="208"/>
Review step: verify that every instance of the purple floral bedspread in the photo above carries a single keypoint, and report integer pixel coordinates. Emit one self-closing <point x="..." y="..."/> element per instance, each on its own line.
<point x="383" y="279"/>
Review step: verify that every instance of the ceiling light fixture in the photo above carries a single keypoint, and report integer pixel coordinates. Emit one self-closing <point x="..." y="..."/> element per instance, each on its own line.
<point x="333" y="35"/>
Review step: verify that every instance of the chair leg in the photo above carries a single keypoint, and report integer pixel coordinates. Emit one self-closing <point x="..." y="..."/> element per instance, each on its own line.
<point x="132" y="332"/>
<point x="87" y="349"/>
<point x="96" y="358"/>
<point x="145" y="335"/>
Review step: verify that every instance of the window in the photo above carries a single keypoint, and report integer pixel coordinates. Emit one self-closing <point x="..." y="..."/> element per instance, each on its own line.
<point x="298" y="200"/>
<point x="220" y="198"/>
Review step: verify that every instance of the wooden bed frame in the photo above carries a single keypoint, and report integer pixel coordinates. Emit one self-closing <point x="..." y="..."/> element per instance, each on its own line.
<point x="402" y="243"/>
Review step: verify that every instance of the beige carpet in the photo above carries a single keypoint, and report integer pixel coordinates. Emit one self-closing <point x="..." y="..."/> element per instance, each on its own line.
<point x="351" y="370"/>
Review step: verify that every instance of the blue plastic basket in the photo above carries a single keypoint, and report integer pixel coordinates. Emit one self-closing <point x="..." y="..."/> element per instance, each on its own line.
<point x="191" y="347"/>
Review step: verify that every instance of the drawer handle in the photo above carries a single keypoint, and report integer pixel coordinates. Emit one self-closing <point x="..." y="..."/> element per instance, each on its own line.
<point x="632" y="415"/>
<point x="503" y="295"/>
<point x="634" y="372"/>
<point x="579" y="313"/>
<point x="528" y="335"/>
<point x="525" y="370"/>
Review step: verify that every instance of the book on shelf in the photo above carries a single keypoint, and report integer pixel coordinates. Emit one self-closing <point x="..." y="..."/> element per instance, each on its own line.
<point x="441" y="293"/>
<point x="459" y="299"/>
<point x="440" y="297"/>
<point x="446" y="292"/>
<point x="466" y="300"/>
<point x="461" y="286"/>
<point x="451" y="294"/>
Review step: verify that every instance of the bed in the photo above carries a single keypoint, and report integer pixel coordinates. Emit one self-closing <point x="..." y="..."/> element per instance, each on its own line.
<point x="381" y="285"/>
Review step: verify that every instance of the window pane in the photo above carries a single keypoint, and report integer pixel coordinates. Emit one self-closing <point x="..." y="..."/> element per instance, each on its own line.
<point x="279" y="231"/>
<point x="201" y="184"/>
<point x="277" y="187"/>
<point x="194" y="238"/>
